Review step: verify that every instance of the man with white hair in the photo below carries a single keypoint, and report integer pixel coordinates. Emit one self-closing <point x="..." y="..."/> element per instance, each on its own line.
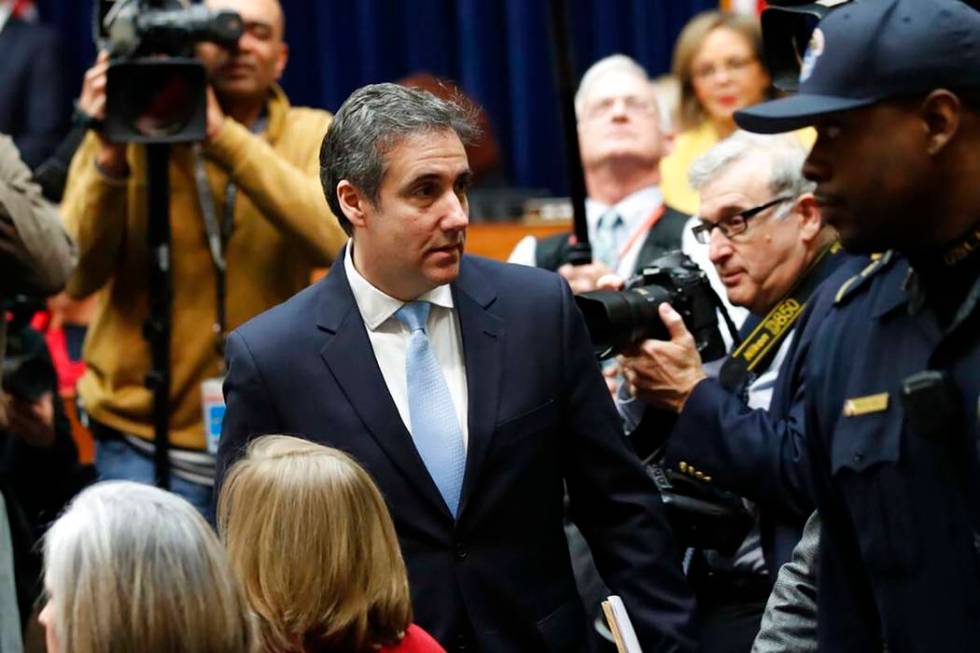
<point x="622" y="140"/>
<point x="743" y="431"/>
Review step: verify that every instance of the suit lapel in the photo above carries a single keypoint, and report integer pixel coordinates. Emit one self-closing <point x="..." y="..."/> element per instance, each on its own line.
<point x="350" y="358"/>
<point x="482" y="334"/>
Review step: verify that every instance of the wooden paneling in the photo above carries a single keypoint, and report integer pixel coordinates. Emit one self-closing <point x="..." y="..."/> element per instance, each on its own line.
<point x="497" y="239"/>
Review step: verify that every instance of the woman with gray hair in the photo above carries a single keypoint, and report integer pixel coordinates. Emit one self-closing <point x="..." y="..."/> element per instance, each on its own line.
<point x="129" y="567"/>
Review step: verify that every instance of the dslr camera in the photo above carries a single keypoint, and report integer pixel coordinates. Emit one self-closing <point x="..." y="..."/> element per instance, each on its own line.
<point x="156" y="89"/>
<point x="618" y="319"/>
<point x="701" y="515"/>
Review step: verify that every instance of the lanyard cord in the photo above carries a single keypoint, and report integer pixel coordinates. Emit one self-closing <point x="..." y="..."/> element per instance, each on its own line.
<point x="218" y="236"/>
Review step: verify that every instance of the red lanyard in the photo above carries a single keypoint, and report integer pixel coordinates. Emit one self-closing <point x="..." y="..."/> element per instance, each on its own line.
<point x="642" y="229"/>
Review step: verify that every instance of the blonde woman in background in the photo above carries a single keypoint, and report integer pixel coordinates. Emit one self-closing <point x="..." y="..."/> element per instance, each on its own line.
<point x="129" y="567"/>
<point x="312" y="543"/>
<point x="719" y="64"/>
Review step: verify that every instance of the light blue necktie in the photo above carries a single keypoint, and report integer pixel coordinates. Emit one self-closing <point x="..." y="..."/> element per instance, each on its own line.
<point x="435" y="425"/>
<point x="605" y="249"/>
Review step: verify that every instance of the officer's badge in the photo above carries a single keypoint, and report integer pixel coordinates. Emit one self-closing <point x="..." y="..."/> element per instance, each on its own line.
<point x="864" y="405"/>
<point x="813" y="52"/>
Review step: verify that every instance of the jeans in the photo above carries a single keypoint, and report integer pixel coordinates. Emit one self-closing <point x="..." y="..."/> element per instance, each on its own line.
<point x="117" y="461"/>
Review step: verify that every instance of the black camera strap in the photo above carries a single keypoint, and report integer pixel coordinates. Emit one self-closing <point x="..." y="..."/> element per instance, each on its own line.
<point x="219" y="233"/>
<point x="760" y="346"/>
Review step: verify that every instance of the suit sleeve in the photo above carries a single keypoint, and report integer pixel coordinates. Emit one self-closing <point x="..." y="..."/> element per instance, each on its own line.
<point x="616" y="505"/>
<point x="746" y="451"/>
<point x="46" y="110"/>
<point x="248" y="407"/>
<point x="790" y="620"/>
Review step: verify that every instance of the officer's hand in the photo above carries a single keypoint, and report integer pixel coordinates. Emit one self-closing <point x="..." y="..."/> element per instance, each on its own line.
<point x="664" y="372"/>
<point x="31" y="422"/>
<point x="216" y="117"/>
<point x="583" y="278"/>
<point x="111" y="158"/>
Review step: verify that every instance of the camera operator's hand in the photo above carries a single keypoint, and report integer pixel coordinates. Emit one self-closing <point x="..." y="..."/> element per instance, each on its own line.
<point x="216" y="116"/>
<point x="583" y="278"/>
<point x="31" y="422"/>
<point x="664" y="372"/>
<point x="111" y="159"/>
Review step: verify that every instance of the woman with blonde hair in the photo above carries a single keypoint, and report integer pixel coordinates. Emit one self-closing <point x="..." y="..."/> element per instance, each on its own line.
<point x="130" y="567"/>
<point x="719" y="65"/>
<point x="312" y="544"/>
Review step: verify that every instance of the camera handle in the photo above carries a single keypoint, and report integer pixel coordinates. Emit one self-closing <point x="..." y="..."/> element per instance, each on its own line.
<point x="157" y="327"/>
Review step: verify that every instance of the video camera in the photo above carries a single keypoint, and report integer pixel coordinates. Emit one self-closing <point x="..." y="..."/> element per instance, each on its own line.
<point x="617" y="319"/>
<point x="786" y="29"/>
<point x="156" y="90"/>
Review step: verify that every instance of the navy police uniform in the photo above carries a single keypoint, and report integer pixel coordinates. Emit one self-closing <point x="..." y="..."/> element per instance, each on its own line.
<point x="896" y="467"/>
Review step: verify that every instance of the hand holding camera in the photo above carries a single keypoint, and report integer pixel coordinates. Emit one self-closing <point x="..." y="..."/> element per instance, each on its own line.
<point x="92" y="101"/>
<point x="664" y="372"/>
<point x="583" y="278"/>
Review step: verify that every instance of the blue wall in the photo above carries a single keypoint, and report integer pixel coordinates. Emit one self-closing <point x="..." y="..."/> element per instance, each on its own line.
<point x="497" y="50"/>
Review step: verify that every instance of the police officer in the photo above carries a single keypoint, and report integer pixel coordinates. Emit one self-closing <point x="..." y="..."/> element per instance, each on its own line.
<point x="892" y="87"/>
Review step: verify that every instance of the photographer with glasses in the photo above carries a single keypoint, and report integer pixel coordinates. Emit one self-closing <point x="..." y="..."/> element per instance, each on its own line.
<point x="742" y="430"/>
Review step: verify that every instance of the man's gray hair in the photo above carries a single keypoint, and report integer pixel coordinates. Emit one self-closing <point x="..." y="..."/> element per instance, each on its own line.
<point x="784" y="152"/>
<point x="619" y="63"/>
<point x="372" y="122"/>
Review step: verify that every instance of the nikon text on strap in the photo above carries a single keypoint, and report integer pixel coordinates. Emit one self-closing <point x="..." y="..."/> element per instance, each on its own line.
<point x="761" y="345"/>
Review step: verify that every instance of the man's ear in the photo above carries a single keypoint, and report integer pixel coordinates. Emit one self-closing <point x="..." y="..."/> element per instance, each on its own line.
<point x="940" y="113"/>
<point x="352" y="203"/>
<point x="811" y="222"/>
<point x="282" y="59"/>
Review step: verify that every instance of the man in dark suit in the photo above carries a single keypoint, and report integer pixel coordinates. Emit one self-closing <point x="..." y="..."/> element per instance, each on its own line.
<point x="473" y="435"/>
<point x="33" y="104"/>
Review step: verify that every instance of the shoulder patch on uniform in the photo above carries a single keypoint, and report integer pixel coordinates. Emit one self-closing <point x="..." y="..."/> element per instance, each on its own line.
<point x="850" y="287"/>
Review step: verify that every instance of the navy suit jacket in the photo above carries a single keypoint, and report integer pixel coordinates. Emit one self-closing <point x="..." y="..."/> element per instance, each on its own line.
<point x="33" y="97"/>
<point x="540" y="419"/>
<point x="761" y="454"/>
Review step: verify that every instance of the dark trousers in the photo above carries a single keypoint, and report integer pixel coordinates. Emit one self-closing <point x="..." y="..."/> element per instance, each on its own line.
<point x="730" y="607"/>
<point x="730" y="628"/>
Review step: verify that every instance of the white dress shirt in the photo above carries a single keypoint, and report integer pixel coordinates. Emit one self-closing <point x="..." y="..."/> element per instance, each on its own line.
<point x="389" y="340"/>
<point x="5" y="10"/>
<point x="635" y="209"/>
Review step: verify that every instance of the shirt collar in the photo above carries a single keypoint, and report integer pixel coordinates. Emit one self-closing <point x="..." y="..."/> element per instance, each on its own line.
<point x="376" y="306"/>
<point x="634" y="208"/>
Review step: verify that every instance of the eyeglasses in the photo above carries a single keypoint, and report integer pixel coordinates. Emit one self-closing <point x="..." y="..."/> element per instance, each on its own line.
<point x="631" y="104"/>
<point x="732" y="66"/>
<point x="733" y="224"/>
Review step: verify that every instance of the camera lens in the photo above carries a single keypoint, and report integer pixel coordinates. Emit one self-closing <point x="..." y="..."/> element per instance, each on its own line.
<point x="156" y="100"/>
<point x="160" y="103"/>
<point x="617" y="319"/>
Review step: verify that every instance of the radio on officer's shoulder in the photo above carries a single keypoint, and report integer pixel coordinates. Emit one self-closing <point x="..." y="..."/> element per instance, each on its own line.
<point x="930" y="403"/>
